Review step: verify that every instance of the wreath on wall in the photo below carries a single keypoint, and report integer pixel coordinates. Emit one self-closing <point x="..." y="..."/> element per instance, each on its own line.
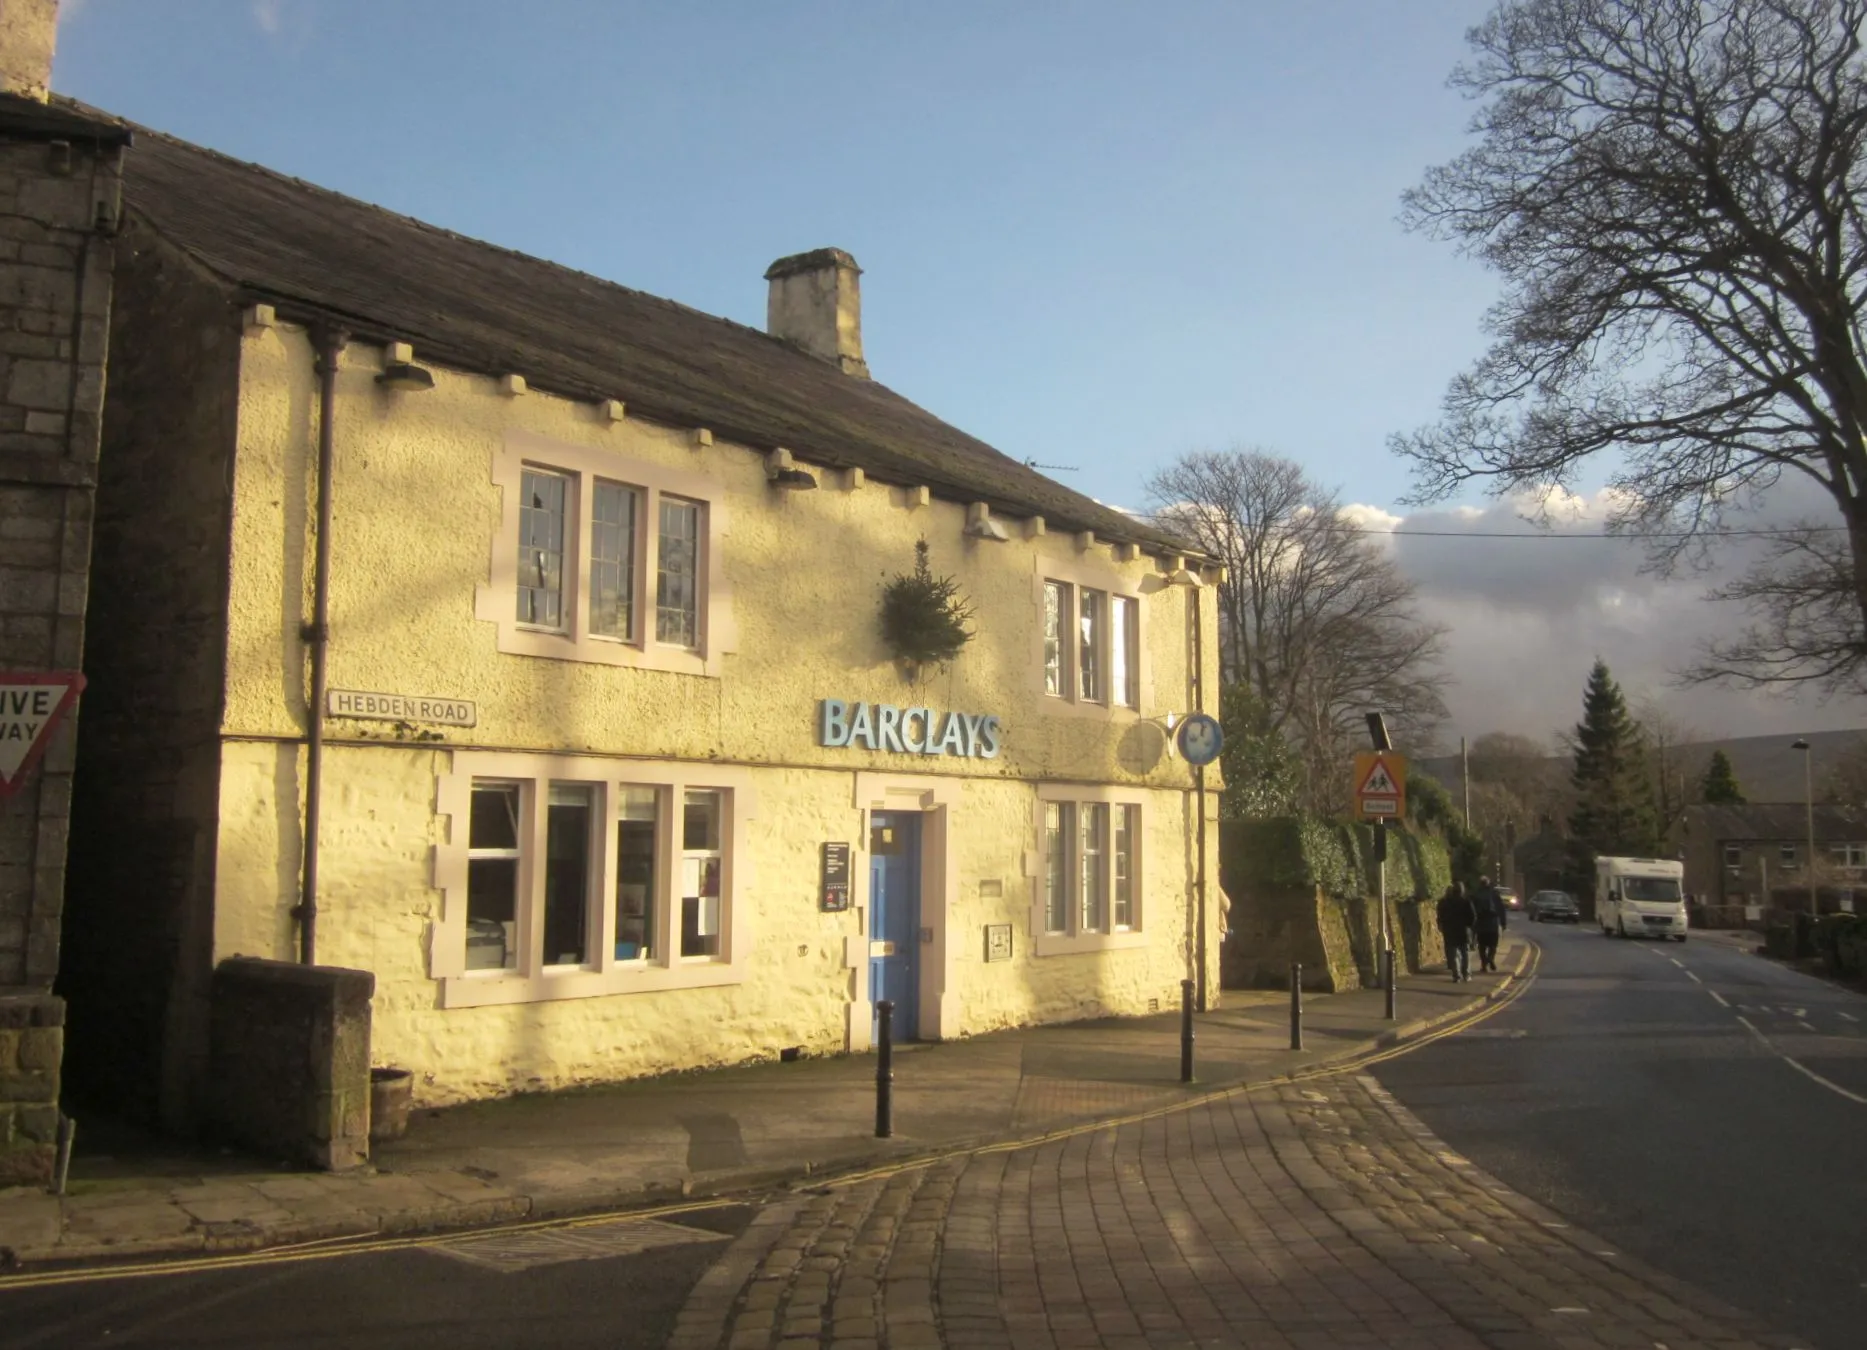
<point x="924" y="617"/>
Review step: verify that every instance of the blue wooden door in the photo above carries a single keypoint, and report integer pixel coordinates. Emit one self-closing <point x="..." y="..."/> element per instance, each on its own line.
<point x="895" y="915"/>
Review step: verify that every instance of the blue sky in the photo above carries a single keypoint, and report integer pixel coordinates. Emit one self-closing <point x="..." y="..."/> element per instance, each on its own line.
<point x="1094" y="234"/>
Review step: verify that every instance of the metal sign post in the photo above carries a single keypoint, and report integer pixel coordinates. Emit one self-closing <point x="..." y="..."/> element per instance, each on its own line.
<point x="1380" y="790"/>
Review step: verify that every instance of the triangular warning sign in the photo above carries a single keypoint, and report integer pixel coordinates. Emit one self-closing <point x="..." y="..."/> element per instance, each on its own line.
<point x="32" y="704"/>
<point x="1378" y="782"/>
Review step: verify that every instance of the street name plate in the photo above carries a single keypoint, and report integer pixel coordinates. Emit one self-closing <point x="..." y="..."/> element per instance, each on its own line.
<point x="441" y="712"/>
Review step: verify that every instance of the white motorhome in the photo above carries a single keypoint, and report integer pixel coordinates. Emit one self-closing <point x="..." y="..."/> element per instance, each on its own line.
<point x="1640" y="897"/>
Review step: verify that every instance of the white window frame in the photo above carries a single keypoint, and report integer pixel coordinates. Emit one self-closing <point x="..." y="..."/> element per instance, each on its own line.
<point x="602" y="972"/>
<point x="1074" y="580"/>
<point x="1078" y="936"/>
<point x="1849" y="855"/>
<point x="582" y="467"/>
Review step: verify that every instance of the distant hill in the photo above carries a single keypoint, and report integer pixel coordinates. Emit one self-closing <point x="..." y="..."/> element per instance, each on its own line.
<point x="1767" y="769"/>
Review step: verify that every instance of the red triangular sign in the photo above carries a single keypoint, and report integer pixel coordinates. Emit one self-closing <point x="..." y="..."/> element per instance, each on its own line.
<point x="1378" y="783"/>
<point x="32" y="704"/>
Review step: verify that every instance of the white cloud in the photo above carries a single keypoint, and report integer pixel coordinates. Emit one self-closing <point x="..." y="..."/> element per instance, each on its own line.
<point x="1526" y="617"/>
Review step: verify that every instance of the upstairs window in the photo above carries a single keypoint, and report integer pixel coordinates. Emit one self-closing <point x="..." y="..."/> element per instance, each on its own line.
<point x="606" y="560"/>
<point x="1091" y="645"/>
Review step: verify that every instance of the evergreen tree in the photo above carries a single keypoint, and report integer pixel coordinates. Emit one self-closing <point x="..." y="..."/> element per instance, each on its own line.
<point x="1720" y="786"/>
<point x="1614" y="811"/>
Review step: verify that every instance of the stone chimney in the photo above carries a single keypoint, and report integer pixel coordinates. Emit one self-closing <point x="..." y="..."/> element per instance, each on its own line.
<point x="816" y="303"/>
<point x="28" y="33"/>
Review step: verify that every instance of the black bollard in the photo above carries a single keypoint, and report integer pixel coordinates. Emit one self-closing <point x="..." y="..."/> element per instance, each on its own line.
<point x="1186" y="1031"/>
<point x="1387" y="979"/>
<point x="885" y="1070"/>
<point x="1296" y="1006"/>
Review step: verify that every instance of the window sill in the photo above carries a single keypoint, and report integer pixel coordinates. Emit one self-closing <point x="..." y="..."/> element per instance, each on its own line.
<point x="491" y="988"/>
<point x="1080" y="944"/>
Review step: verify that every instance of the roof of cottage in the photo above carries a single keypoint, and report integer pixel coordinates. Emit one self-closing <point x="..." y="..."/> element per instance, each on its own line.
<point x="466" y="303"/>
<point x="1773" y="822"/>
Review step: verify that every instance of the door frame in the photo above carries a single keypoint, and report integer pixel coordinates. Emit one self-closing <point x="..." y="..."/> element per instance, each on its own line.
<point x="935" y="800"/>
<point x="907" y="1018"/>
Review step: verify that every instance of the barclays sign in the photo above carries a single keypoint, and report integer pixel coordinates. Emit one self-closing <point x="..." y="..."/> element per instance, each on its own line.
<point x="906" y="731"/>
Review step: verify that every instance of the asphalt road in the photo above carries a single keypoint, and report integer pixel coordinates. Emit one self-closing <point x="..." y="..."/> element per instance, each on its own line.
<point x="485" y="1292"/>
<point x="1697" y="1104"/>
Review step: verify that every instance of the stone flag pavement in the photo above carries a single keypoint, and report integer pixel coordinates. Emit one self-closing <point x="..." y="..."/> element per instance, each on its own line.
<point x="1317" y="1215"/>
<point x="708" y="1133"/>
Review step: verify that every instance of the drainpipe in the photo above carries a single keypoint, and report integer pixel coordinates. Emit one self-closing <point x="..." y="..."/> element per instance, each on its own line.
<point x="1199" y="780"/>
<point x="317" y="636"/>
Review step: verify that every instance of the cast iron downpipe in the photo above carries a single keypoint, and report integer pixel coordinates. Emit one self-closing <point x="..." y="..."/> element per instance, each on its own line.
<point x="317" y="636"/>
<point x="1199" y="779"/>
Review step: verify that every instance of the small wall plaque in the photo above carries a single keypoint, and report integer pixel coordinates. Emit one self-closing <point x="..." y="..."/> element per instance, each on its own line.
<point x="833" y="896"/>
<point x="998" y="942"/>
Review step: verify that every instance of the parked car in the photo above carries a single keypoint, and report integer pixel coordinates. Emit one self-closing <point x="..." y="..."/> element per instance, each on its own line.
<point x="1554" y="907"/>
<point x="1512" y="901"/>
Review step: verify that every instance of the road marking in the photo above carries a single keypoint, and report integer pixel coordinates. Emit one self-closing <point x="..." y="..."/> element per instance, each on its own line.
<point x="1690" y="976"/>
<point x="1847" y="1017"/>
<point x="1720" y="997"/>
<point x="507" y="1253"/>
<point x="1677" y="962"/>
<point x="1804" y="1024"/>
<point x="1803" y="1069"/>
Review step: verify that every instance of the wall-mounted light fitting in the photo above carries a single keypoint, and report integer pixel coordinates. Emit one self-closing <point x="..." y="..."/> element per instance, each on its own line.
<point x="980" y="525"/>
<point x="782" y="473"/>
<point x="406" y="377"/>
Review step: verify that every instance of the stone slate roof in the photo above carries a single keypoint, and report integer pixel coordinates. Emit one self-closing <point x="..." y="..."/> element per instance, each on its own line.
<point x="60" y="119"/>
<point x="1771" y="822"/>
<point x="474" y="306"/>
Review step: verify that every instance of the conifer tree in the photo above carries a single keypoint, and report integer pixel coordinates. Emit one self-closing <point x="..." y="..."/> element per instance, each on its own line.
<point x="1720" y="786"/>
<point x="1614" y="811"/>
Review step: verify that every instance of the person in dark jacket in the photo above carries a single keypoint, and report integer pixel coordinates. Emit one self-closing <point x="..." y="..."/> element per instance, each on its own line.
<point x="1492" y="921"/>
<point x="1457" y="918"/>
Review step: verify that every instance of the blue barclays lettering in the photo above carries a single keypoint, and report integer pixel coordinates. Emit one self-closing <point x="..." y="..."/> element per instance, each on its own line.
<point x="843" y="724"/>
<point x="862" y="727"/>
<point x="834" y="731"/>
<point x="952" y="733"/>
<point x="988" y="739"/>
<point x="888" y="728"/>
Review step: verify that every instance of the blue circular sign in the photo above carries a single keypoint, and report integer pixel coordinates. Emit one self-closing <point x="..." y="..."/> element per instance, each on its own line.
<point x="1201" y="738"/>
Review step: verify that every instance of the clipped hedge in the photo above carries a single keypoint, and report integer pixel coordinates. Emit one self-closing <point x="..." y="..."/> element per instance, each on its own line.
<point x="1336" y="856"/>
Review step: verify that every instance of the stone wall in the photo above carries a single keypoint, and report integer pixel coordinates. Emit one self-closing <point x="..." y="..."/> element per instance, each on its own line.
<point x="58" y="209"/>
<point x="138" y="942"/>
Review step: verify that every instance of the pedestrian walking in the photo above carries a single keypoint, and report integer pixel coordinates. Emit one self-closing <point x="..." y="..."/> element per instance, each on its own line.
<point x="1457" y="918"/>
<point x="1492" y="921"/>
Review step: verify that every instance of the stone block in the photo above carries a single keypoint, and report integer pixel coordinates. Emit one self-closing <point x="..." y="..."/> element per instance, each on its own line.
<point x="36" y="1124"/>
<point x="40" y="1048"/>
<point x="32" y="1087"/>
<point x="39" y="384"/>
<point x="57" y="201"/>
<point x="26" y="1164"/>
<point x="9" y="1049"/>
<point x="46" y="423"/>
<point x="289" y="1060"/>
<point x="19" y="1011"/>
<point x="25" y="591"/>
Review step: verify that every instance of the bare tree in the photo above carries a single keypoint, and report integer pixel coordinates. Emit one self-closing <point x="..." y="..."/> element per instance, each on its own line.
<point x="1673" y="193"/>
<point x="1314" y="619"/>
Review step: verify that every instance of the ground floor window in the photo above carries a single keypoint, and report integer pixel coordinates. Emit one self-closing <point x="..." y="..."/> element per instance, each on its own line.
<point x="582" y="876"/>
<point x="1089" y="887"/>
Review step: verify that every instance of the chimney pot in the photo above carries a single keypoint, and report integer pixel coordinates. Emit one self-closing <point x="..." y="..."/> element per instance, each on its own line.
<point x="815" y="303"/>
<point x="28" y="35"/>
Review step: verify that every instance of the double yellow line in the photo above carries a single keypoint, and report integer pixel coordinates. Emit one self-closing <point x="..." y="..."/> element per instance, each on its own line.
<point x="1510" y="990"/>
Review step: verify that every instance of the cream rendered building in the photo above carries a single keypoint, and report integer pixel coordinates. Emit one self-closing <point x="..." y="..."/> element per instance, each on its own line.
<point x="613" y="773"/>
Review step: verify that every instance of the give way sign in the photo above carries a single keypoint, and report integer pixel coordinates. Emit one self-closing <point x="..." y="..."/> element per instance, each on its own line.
<point x="1380" y="785"/>
<point x="32" y="704"/>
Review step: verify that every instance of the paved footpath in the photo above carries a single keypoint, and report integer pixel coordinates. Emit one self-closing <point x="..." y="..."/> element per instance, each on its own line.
<point x="724" y="1131"/>
<point x="1316" y="1215"/>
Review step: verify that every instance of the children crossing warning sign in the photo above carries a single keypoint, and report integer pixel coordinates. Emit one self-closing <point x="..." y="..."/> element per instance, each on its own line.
<point x="1380" y="785"/>
<point x="32" y="704"/>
